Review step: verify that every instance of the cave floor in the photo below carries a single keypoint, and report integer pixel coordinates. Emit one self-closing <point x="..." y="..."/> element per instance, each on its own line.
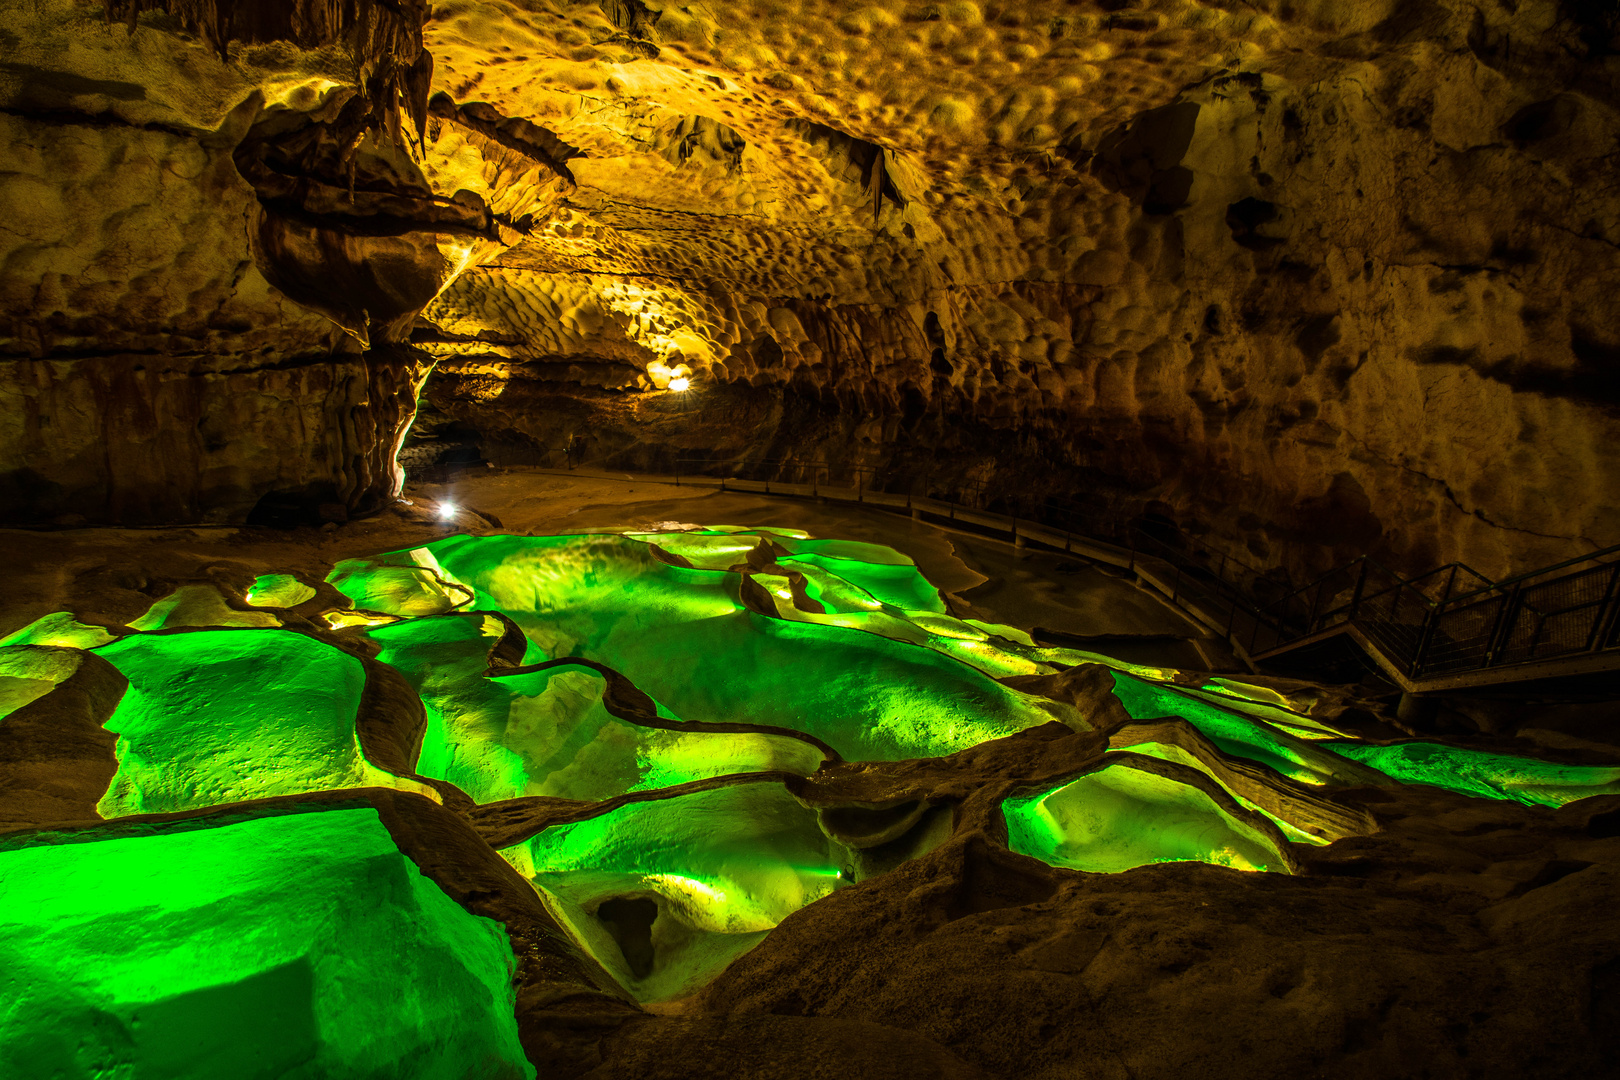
<point x="117" y="573"/>
<point x="986" y="579"/>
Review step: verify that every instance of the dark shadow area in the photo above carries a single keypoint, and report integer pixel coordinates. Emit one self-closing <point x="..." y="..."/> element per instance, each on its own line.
<point x="630" y="920"/>
<point x="296" y="508"/>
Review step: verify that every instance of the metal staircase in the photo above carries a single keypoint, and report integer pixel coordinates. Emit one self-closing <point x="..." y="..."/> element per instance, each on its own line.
<point x="1453" y="627"/>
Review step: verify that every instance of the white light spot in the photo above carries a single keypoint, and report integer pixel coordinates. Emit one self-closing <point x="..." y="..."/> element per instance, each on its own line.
<point x="447" y="510"/>
<point x="679" y="384"/>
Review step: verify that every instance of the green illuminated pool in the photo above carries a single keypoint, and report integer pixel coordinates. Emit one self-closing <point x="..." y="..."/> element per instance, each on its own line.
<point x="303" y="944"/>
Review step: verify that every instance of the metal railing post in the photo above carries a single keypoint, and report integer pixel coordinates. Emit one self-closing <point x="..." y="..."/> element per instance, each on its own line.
<point x="1420" y="655"/>
<point x="1361" y="586"/>
<point x="1604" y="619"/>
<point x="1431" y="623"/>
<point x="1451" y="580"/>
<point x="1502" y="629"/>
<point x="1316" y="605"/>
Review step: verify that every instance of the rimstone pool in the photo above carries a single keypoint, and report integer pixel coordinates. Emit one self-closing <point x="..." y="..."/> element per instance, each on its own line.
<point x="657" y="746"/>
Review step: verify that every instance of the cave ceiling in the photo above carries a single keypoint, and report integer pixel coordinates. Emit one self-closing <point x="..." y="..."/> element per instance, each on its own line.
<point x="1278" y="267"/>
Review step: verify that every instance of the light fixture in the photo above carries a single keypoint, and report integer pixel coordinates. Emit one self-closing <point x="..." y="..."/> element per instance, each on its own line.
<point x="447" y="510"/>
<point x="680" y="383"/>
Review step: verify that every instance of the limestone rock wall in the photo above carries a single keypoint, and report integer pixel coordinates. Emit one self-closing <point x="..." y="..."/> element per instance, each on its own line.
<point x="1314" y="279"/>
<point x="192" y="319"/>
<point x="153" y="439"/>
<point x="1343" y="290"/>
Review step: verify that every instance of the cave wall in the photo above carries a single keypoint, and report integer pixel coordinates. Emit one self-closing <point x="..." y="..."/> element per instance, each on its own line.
<point x="140" y="440"/>
<point x="1317" y="279"/>
<point x="1355" y="301"/>
<point x="151" y="373"/>
<point x="190" y="324"/>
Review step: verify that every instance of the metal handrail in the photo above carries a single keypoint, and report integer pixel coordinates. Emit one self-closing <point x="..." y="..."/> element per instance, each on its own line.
<point x="1613" y="549"/>
<point x="1448" y="637"/>
<point x="1368" y="561"/>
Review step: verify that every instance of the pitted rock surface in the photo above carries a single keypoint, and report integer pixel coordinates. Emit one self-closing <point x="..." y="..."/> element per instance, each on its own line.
<point x="1323" y="278"/>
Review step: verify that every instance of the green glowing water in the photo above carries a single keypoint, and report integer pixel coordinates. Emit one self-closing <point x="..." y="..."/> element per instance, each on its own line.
<point x="902" y="586"/>
<point x="1491" y="776"/>
<point x="29" y="672"/>
<point x="547" y="732"/>
<point x="685" y="637"/>
<point x="1235" y="734"/>
<point x="406" y="590"/>
<point x="1173" y="753"/>
<point x="198" y="605"/>
<point x="220" y="716"/>
<point x="708" y="549"/>
<point x="1119" y="817"/>
<point x="723" y="867"/>
<point x="58" y="628"/>
<point x="1456" y="769"/>
<point x="994" y="654"/>
<point x="278" y="591"/>
<point x="302" y="945"/>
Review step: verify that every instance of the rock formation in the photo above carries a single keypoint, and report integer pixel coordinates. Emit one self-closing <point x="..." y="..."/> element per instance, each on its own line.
<point x="1314" y="280"/>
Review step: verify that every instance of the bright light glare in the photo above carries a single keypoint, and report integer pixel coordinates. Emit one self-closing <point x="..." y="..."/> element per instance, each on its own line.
<point x="680" y="383"/>
<point x="447" y="510"/>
